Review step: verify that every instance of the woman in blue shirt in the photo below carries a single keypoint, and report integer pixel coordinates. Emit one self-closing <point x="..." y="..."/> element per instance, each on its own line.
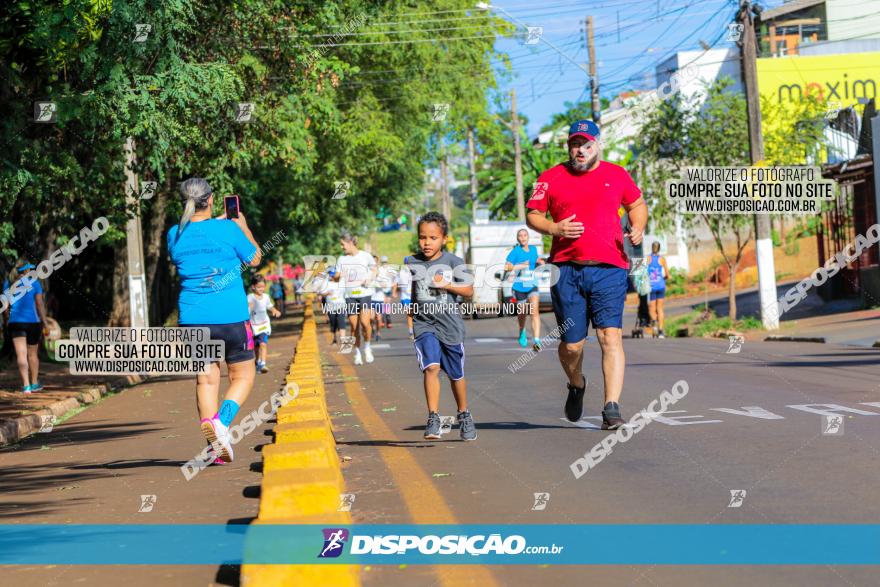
<point x="26" y="317"/>
<point x="209" y="253"/>
<point x="523" y="259"/>
<point x="658" y="273"/>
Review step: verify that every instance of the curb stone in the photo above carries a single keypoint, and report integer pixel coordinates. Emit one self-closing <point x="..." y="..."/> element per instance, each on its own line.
<point x="782" y="338"/>
<point x="302" y="475"/>
<point x="14" y="430"/>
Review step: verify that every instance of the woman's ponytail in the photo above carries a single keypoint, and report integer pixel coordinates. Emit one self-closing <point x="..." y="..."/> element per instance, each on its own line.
<point x="195" y="192"/>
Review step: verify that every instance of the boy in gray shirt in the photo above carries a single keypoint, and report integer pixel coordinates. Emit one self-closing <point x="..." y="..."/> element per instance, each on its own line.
<point x="437" y="323"/>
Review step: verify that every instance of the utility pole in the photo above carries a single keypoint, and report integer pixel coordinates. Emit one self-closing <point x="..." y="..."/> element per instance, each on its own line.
<point x="444" y="187"/>
<point x="473" y="165"/>
<point x="517" y="158"/>
<point x="763" y="239"/>
<point x="594" y="78"/>
<point x="137" y="281"/>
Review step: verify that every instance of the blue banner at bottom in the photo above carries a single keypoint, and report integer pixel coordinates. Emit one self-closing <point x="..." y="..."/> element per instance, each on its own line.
<point x="485" y="544"/>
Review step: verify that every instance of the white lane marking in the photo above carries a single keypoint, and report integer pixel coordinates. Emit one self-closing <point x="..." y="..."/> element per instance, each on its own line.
<point x="487" y="340"/>
<point x="582" y="424"/>
<point x="752" y="411"/>
<point x="381" y="345"/>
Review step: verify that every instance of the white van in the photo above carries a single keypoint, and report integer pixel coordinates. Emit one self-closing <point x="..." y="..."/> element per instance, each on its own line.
<point x="489" y="244"/>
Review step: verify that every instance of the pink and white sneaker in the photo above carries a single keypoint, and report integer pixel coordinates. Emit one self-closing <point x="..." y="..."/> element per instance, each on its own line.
<point x="218" y="435"/>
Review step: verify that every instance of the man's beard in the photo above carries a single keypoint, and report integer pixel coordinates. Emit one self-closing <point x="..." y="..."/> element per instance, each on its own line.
<point x="585" y="166"/>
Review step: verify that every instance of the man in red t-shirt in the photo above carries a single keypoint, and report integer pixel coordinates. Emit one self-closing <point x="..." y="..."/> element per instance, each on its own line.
<point x="583" y="197"/>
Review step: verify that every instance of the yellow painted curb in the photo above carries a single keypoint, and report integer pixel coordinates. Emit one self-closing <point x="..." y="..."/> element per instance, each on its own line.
<point x="293" y="415"/>
<point x="302" y="478"/>
<point x="299" y="455"/>
<point x="304" y="431"/>
<point x="300" y="492"/>
<point x="328" y="575"/>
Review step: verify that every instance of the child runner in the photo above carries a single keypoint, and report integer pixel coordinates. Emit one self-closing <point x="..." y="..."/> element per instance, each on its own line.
<point x="437" y="322"/>
<point x="386" y="276"/>
<point x="260" y="306"/>
<point x="334" y="300"/>
<point x="377" y="301"/>
<point x="403" y="287"/>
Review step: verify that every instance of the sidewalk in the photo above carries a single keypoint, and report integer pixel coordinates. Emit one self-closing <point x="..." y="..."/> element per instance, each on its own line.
<point x="62" y="392"/>
<point x="841" y="321"/>
<point x="97" y="467"/>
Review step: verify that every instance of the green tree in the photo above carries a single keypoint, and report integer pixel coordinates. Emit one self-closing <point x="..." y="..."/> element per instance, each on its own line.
<point x="327" y="109"/>
<point x="710" y="132"/>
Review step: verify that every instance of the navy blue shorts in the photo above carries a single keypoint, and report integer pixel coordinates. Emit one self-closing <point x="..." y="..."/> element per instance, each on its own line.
<point x="523" y="296"/>
<point x="657" y="294"/>
<point x="33" y="331"/>
<point x="588" y="293"/>
<point x="432" y="351"/>
<point x="238" y="339"/>
<point x="262" y="338"/>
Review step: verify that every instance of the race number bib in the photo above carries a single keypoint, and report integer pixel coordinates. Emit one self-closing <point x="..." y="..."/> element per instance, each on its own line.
<point x="263" y="328"/>
<point x="356" y="293"/>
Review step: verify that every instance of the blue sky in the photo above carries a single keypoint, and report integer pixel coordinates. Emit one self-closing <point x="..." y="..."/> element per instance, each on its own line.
<point x="630" y="37"/>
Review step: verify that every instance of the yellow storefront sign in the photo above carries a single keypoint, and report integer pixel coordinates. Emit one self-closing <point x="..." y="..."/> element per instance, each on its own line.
<point x="829" y="78"/>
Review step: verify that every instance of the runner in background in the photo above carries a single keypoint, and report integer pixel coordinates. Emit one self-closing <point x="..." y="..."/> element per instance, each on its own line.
<point x="523" y="259"/>
<point x="26" y="323"/>
<point x="261" y="306"/>
<point x="207" y="253"/>
<point x="403" y="289"/>
<point x="297" y="290"/>
<point x="276" y="290"/>
<point x="386" y="276"/>
<point x="658" y="273"/>
<point x="354" y="270"/>
<point x="334" y="305"/>
<point x="377" y="301"/>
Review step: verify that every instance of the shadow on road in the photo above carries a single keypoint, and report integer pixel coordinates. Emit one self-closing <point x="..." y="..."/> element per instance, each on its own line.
<point x="396" y="443"/>
<point x="133" y="464"/>
<point x="84" y="433"/>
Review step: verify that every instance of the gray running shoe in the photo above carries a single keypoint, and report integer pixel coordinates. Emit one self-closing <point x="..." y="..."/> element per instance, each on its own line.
<point x="611" y="418"/>
<point x="466" y="426"/>
<point x="432" y="430"/>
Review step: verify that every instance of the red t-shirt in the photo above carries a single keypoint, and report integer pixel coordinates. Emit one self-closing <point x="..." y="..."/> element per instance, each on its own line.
<point x="594" y="198"/>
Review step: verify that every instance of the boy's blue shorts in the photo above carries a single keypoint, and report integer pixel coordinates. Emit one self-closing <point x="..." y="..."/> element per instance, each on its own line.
<point x="261" y="338"/>
<point x="433" y="351"/>
<point x="588" y="293"/>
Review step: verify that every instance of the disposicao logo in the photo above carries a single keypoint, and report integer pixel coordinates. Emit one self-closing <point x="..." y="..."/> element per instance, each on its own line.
<point x="334" y="540"/>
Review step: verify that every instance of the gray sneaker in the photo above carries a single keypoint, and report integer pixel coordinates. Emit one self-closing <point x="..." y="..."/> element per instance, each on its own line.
<point x="432" y="430"/>
<point x="466" y="426"/>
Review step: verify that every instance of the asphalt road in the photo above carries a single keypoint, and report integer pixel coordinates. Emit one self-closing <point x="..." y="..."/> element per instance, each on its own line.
<point x="679" y="469"/>
<point x="682" y="469"/>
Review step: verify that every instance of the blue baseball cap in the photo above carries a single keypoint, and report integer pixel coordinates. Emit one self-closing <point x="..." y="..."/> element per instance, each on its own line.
<point x="584" y="128"/>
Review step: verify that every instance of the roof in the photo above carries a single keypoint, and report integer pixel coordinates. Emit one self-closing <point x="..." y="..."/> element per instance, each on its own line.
<point x="788" y="7"/>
